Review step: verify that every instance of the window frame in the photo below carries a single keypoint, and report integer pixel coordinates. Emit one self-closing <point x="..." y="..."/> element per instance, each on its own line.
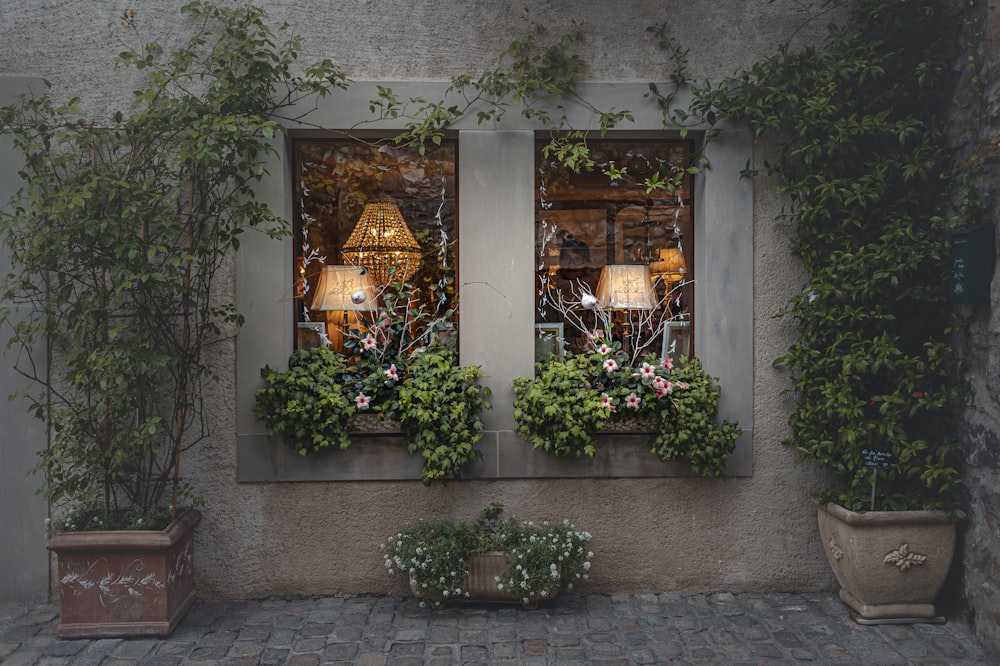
<point x="496" y="206"/>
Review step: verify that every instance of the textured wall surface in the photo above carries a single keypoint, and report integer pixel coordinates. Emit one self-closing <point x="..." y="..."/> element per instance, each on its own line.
<point x="978" y="342"/>
<point x="256" y="540"/>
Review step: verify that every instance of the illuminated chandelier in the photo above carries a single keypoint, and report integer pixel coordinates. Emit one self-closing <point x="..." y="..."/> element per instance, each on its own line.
<point x="381" y="242"/>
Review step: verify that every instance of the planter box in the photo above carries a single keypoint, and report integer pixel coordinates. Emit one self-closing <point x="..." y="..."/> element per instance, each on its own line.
<point x="480" y="583"/>
<point x="890" y="564"/>
<point x="125" y="583"/>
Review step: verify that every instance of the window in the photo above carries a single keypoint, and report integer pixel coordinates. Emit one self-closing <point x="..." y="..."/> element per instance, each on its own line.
<point x="612" y="256"/>
<point x="366" y="215"/>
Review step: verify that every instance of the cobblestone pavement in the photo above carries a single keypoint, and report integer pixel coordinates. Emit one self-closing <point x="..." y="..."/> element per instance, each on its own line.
<point x="674" y="629"/>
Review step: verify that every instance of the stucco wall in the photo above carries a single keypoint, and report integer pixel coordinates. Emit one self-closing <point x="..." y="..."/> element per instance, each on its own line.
<point x="750" y="533"/>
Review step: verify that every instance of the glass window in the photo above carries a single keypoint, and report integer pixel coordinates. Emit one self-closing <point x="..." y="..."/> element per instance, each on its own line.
<point x="368" y="215"/>
<point x="613" y="259"/>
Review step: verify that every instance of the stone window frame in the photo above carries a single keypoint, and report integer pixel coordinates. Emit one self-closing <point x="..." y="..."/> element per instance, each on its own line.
<point x="496" y="294"/>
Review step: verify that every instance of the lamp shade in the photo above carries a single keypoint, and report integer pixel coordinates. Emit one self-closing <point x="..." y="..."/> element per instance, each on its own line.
<point x="671" y="264"/>
<point x="341" y="288"/>
<point x="381" y="241"/>
<point x="625" y="287"/>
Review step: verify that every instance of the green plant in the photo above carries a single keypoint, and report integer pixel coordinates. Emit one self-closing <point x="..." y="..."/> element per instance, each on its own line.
<point x="306" y="405"/>
<point x="116" y="239"/>
<point x="869" y="184"/>
<point x="572" y="398"/>
<point x="440" y="407"/>
<point x="434" y="555"/>
<point x="396" y="364"/>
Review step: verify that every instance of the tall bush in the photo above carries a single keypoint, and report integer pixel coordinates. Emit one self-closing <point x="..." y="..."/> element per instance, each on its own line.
<point x="119" y="236"/>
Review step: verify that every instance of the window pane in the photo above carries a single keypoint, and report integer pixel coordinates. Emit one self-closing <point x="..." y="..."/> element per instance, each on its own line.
<point x="611" y="242"/>
<point x="374" y="206"/>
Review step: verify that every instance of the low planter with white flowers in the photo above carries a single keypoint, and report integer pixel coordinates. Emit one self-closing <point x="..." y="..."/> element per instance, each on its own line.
<point x="492" y="558"/>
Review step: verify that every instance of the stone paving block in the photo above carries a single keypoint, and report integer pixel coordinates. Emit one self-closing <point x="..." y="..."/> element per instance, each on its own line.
<point x="504" y="650"/>
<point x="802" y="654"/>
<point x="253" y="632"/>
<point x="535" y="647"/>
<point x="303" y="660"/>
<point x="410" y="635"/>
<point x="174" y="648"/>
<point x="160" y="660"/>
<point x="605" y="651"/>
<point x="503" y="633"/>
<point x="643" y="656"/>
<point x="340" y="652"/>
<point x="309" y="645"/>
<point x="213" y="653"/>
<point x="406" y="649"/>
<point x="66" y="648"/>
<point x="245" y="650"/>
<point x="375" y="643"/>
<point x="407" y="661"/>
<point x="474" y="654"/>
<point x="272" y="655"/>
<point x="315" y="630"/>
<point x="371" y="659"/>
<point x="281" y="636"/>
<point x="134" y="649"/>
<point x="223" y="638"/>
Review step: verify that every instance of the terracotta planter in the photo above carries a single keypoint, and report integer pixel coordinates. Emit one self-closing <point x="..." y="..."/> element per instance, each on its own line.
<point x="890" y="564"/>
<point x="125" y="583"/>
<point x="481" y="584"/>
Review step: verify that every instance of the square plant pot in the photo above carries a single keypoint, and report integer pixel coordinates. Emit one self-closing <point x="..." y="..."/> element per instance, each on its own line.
<point x="890" y="564"/>
<point x="125" y="583"/>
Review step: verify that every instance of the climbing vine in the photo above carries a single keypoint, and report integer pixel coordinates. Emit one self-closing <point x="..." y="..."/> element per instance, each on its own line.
<point x="870" y="185"/>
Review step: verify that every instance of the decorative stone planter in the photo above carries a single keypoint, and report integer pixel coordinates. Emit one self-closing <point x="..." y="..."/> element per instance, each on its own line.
<point x="890" y="564"/>
<point x="125" y="583"/>
<point x="480" y="582"/>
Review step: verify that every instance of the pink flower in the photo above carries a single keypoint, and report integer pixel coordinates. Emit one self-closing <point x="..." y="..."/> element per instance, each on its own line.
<point x="662" y="393"/>
<point x="606" y="402"/>
<point x="362" y="401"/>
<point x="633" y="401"/>
<point x="681" y="386"/>
<point x="604" y="349"/>
<point x="659" y="383"/>
<point x="647" y="372"/>
<point x="392" y="373"/>
<point x="667" y="363"/>
<point x="369" y="342"/>
<point x="610" y="365"/>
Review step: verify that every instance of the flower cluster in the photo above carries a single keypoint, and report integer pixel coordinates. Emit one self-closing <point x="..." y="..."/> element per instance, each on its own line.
<point x="572" y="398"/>
<point x="434" y="555"/>
<point x="379" y="351"/>
<point x="398" y="364"/>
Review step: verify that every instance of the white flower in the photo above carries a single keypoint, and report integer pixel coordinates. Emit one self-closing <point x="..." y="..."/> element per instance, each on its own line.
<point x="499" y="586"/>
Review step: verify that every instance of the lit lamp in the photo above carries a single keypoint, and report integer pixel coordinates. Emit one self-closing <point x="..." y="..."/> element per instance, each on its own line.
<point x="344" y="289"/>
<point x="671" y="265"/>
<point x="625" y="287"/>
<point x="381" y="241"/>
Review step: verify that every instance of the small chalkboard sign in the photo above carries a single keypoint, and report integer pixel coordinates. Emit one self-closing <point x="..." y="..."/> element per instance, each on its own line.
<point x="876" y="458"/>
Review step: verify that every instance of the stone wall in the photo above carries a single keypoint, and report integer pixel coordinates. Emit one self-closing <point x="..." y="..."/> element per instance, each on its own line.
<point x="755" y="532"/>
<point x="977" y="109"/>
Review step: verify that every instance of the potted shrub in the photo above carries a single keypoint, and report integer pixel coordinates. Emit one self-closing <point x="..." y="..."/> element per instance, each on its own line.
<point x="491" y="558"/>
<point x="869" y="183"/>
<point x="117" y="237"/>
<point x="575" y="397"/>
<point x="398" y="364"/>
